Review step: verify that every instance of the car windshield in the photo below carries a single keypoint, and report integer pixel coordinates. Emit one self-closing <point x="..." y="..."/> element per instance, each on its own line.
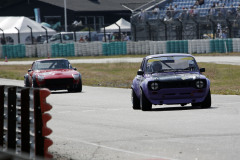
<point x="171" y="64"/>
<point x="52" y="64"/>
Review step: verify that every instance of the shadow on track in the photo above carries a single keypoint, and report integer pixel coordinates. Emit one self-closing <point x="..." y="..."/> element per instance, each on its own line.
<point x="64" y="92"/>
<point x="179" y="108"/>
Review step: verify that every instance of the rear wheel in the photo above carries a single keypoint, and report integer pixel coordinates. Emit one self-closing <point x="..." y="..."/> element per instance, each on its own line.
<point x="135" y="101"/>
<point x="145" y="104"/>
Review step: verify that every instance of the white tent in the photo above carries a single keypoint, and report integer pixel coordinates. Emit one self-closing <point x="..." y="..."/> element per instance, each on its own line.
<point x="9" y="25"/>
<point x="125" y="26"/>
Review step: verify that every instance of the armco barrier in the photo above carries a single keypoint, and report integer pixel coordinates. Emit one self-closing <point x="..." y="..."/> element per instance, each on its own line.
<point x="23" y="121"/>
<point x="13" y="51"/>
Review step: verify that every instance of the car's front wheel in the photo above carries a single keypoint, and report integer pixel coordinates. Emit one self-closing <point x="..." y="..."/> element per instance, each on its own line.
<point x="26" y="81"/>
<point x="135" y="100"/>
<point x="145" y="104"/>
<point x="79" y="86"/>
<point x="206" y="103"/>
<point x="34" y="83"/>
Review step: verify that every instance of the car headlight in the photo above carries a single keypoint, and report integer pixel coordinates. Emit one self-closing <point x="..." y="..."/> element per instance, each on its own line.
<point x="154" y="86"/>
<point x="40" y="78"/>
<point x="76" y="76"/>
<point x="200" y="84"/>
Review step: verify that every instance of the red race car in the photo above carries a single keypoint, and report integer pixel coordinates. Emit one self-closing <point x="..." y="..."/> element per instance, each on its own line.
<point x="54" y="74"/>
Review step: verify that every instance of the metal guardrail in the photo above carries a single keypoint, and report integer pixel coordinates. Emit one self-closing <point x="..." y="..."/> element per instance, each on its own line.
<point x="23" y="127"/>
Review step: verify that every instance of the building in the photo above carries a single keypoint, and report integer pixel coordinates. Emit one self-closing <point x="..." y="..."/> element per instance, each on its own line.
<point x="83" y="13"/>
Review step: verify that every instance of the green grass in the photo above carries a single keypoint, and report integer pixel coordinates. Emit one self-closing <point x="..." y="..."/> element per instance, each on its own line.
<point x="225" y="79"/>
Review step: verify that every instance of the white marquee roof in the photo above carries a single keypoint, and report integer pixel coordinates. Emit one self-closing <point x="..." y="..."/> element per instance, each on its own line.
<point x="125" y="26"/>
<point x="8" y="24"/>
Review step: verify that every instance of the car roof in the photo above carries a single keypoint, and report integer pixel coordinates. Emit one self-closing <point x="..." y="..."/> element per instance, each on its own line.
<point x="169" y="54"/>
<point x="50" y="59"/>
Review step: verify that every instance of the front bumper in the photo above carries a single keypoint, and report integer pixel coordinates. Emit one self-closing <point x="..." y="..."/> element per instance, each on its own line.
<point x="59" y="84"/>
<point x="176" y="96"/>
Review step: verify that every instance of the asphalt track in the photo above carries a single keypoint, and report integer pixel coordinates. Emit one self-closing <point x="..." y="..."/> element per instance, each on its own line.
<point x="99" y="124"/>
<point x="233" y="60"/>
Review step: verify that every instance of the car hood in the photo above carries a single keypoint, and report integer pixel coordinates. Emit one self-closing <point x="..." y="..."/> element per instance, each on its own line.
<point x="58" y="72"/>
<point x="174" y="76"/>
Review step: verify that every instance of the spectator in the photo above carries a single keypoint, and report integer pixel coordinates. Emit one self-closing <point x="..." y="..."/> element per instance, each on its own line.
<point x="81" y="39"/>
<point x="191" y="12"/>
<point x="195" y="11"/>
<point x="142" y="15"/>
<point x="126" y="37"/>
<point x="214" y="5"/>
<point x="168" y="15"/>
<point x="222" y="11"/>
<point x="212" y="11"/>
<point x="156" y="12"/>
<point x="224" y="35"/>
<point x="232" y="11"/>
<point x="200" y="2"/>
<point x="86" y="38"/>
<point x="238" y="11"/>
<point x="196" y="3"/>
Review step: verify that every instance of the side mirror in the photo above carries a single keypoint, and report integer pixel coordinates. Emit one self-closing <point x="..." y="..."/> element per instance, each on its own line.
<point x="29" y="70"/>
<point x="140" y="72"/>
<point x="74" y="68"/>
<point x="202" y="69"/>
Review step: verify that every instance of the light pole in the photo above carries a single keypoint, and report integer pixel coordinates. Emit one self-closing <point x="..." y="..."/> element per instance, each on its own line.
<point x="65" y="14"/>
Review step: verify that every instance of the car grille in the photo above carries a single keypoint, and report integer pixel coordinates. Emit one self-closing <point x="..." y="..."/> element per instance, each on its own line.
<point x="173" y="84"/>
<point x="59" y="82"/>
<point x="176" y="84"/>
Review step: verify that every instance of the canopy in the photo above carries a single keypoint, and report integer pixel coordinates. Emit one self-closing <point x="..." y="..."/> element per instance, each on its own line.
<point x="8" y="25"/>
<point x="11" y="25"/>
<point x="125" y="26"/>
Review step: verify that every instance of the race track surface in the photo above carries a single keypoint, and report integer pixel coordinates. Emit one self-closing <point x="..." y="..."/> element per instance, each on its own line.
<point x="233" y="60"/>
<point x="99" y="124"/>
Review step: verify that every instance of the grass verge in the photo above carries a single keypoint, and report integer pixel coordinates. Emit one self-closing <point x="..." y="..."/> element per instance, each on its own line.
<point x="225" y="79"/>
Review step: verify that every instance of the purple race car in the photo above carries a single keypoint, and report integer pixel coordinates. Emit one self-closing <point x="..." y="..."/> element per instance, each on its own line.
<point x="170" y="79"/>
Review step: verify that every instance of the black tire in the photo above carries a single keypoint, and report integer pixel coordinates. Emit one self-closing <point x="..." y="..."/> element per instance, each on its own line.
<point x="207" y="101"/>
<point x="70" y="90"/>
<point x="196" y="104"/>
<point x="34" y="83"/>
<point x="145" y="104"/>
<point x="79" y="86"/>
<point x="135" y="101"/>
<point x="26" y="82"/>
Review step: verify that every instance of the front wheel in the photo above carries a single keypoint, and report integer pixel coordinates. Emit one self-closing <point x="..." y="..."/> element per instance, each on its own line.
<point x="26" y="82"/>
<point x="135" y="100"/>
<point x="79" y="86"/>
<point x="207" y="101"/>
<point x="34" y="83"/>
<point x="145" y="104"/>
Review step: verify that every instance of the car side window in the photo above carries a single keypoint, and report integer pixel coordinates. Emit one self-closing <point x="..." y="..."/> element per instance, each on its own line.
<point x="33" y="66"/>
<point x="142" y="64"/>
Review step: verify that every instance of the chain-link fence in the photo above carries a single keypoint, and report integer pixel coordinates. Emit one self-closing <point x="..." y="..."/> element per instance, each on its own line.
<point x="185" y="24"/>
